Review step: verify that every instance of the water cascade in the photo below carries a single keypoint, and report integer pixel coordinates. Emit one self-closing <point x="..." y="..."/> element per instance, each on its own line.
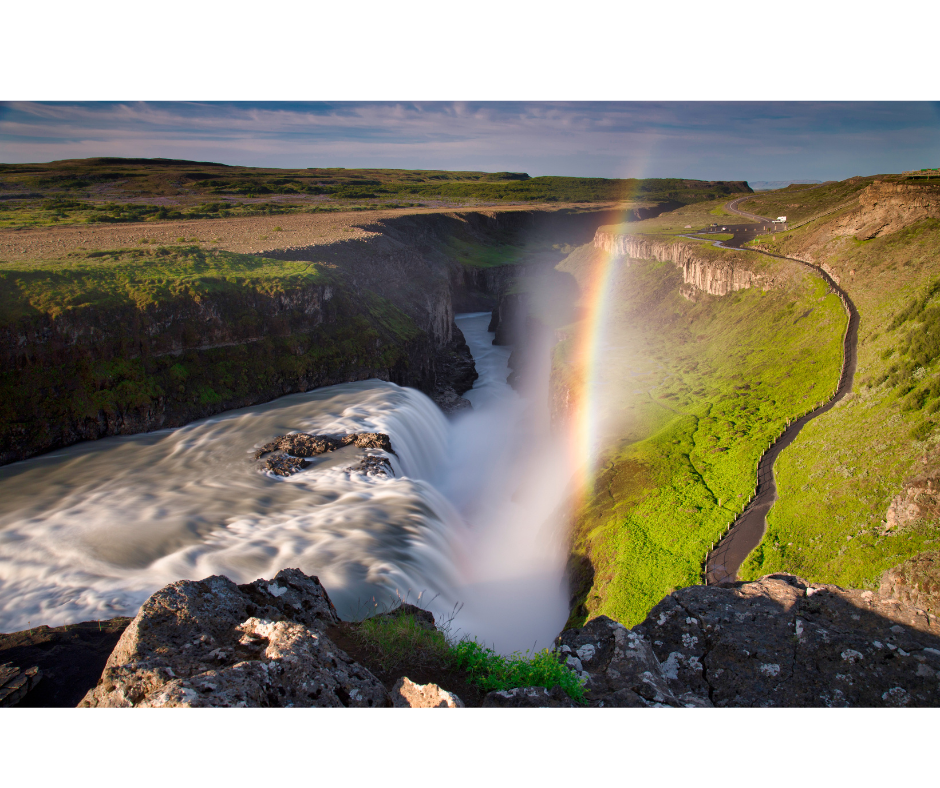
<point x="471" y="517"/>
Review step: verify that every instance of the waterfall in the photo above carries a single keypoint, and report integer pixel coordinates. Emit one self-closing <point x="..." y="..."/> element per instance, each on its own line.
<point x="92" y="530"/>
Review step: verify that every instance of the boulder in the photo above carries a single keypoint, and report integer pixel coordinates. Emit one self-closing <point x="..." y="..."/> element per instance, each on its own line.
<point x="528" y="698"/>
<point x="406" y="694"/>
<point x="212" y="643"/>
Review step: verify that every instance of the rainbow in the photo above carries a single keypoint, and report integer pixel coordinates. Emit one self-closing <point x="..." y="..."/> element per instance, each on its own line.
<point x="590" y="339"/>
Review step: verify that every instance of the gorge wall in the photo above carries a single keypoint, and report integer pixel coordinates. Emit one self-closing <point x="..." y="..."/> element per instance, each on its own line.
<point x="383" y="307"/>
<point x="700" y="270"/>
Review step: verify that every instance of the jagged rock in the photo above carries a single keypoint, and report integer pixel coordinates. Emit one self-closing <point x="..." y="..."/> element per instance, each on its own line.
<point x="885" y="208"/>
<point x="15" y="683"/>
<point x="455" y="364"/>
<point x="284" y="465"/>
<point x="300" y="444"/>
<point x="781" y="641"/>
<point x="620" y="667"/>
<point x="213" y="643"/>
<point x="528" y="697"/>
<point x="406" y="694"/>
<point x="372" y="466"/>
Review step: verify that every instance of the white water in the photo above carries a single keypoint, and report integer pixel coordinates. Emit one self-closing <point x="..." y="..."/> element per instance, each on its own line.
<point x="471" y="515"/>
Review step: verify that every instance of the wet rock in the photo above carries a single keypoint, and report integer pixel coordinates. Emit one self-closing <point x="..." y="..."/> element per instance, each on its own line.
<point x="450" y="402"/>
<point x="406" y="694"/>
<point x="284" y="465"/>
<point x="373" y="466"/>
<point x="212" y="643"/>
<point x="528" y="698"/>
<point x="300" y="444"/>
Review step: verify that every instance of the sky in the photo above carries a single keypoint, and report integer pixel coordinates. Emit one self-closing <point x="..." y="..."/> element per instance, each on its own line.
<point x="692" y="139"/>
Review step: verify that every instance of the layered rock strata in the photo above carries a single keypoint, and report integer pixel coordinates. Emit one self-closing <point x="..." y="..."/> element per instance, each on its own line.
<point x="717" y="277"/>
<point x="885" y="208"/>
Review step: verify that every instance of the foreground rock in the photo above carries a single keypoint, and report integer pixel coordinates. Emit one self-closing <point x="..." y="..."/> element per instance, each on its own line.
<point x="213" y="643"/>
<point x="15" y="683"/>
<point x="408" y="695"/>
<point x="528" y="698"/>
<point x="778" y="641"/>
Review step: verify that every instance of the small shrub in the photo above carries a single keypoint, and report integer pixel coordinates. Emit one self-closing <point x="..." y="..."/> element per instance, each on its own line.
<point x="492" y="671"/>
<point x="397" y="641"/>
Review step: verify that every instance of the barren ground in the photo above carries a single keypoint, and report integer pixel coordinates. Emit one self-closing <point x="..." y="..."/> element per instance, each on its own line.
<point x="246" y="235"/>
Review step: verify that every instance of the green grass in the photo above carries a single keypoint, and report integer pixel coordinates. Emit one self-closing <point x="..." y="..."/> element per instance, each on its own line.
<point x="478" y="255"/>
<point x="838" y="478"/>
<point x="492" y="671"/>
<point x="400" y="641"/>
<point x="142" y="277"/>
<point x="799" y="203"/>
<point x="699" y="215"/>
<point x="699" y="393"/>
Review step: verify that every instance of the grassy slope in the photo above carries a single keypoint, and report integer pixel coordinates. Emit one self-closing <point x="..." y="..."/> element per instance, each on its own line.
<point x="799" y="203"/>
<point x="837" y="480"/>
<point x="698" y="392"/>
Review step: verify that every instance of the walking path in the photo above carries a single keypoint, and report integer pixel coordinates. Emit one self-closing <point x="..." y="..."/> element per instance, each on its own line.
<point x="746" y="532"/>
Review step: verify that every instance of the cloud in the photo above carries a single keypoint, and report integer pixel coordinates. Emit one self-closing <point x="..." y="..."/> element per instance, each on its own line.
<point x="712" y="140"/>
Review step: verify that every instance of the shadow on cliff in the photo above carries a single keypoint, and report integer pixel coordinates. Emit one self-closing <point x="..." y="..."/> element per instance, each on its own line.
<point x="782" y="641"/>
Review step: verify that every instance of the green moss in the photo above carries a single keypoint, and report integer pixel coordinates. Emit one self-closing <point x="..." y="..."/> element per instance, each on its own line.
<point x="702" y="394"/>
<point x="838" y="478"/>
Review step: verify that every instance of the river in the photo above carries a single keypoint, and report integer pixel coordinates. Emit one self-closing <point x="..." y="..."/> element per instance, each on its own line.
<point x="470" y="521"/>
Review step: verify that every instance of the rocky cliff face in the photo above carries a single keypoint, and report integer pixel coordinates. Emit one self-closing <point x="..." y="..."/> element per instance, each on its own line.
<point x="89" y="373"/>
<point x="383" y="308"/>
<point x="776" y="642"/>
<point x="715" y="276"/>
<point x="885" y="208"/>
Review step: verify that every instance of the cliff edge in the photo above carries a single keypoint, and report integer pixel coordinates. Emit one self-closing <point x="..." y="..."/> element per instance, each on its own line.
<point x="779" y="641"/>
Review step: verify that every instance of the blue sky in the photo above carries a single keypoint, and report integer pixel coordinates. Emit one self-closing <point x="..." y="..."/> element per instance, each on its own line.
<point x="707" y="140"/>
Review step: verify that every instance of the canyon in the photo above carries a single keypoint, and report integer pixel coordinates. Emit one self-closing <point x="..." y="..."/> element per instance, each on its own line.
<point x="382" y="305"/>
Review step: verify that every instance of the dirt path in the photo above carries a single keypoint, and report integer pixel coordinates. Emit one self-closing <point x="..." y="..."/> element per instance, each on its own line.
<point x="747" y="531"/>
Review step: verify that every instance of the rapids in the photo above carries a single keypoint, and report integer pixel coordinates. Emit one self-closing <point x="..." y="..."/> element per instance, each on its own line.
<point x="471" y="519"/>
